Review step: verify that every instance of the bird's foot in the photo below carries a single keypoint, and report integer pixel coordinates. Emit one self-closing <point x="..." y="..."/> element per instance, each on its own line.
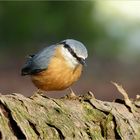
<point x="72" y="95"/>
<point x="40" y="92"/>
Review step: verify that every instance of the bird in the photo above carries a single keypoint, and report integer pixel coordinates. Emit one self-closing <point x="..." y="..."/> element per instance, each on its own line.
<point x="56" y="67"/>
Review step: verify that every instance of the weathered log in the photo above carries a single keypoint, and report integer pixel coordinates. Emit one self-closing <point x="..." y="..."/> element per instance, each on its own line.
<point x="82" y="118"/>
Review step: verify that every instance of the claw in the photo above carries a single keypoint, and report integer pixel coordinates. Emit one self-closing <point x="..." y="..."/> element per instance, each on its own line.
<point x="72" y="95"/>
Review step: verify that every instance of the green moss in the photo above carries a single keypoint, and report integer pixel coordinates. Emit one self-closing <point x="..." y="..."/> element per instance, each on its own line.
<point x="92" y="114"/>
<point x="94" y="132"/>
<point x="107" y="127"/>
<point x="96" y="117"/>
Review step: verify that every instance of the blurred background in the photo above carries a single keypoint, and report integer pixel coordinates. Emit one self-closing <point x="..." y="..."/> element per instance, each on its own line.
<point x="109" y="29"/>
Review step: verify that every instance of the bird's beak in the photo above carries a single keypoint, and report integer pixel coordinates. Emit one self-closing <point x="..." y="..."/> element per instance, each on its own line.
<point x="83" y="62"/>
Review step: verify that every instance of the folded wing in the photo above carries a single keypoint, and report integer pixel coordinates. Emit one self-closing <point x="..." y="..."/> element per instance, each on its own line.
<point x="38" y="62"/>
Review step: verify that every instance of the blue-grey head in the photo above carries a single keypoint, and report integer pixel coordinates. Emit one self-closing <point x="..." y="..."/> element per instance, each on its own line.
<point x="74" y="51"/>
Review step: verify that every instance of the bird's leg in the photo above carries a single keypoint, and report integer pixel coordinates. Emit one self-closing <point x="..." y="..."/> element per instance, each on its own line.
<point x="71" y="92"/>
<point x="71" y="95"/>
<point x="39" y="91"/>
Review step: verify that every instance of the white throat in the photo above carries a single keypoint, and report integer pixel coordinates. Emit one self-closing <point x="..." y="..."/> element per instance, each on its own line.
<point x="71" y="61"/>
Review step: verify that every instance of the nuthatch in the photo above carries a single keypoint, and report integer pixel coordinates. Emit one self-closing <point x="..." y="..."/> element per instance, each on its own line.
<point x="58" y="66"/>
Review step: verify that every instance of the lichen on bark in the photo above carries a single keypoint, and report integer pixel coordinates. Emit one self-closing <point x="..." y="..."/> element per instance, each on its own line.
<point x="85" y="118"/>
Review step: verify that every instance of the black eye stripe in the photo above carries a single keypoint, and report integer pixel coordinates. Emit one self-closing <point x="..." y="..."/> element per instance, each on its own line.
<point x="71" y="51"/>
<point x="69" y="48"/>
<point x="79" y="59"/>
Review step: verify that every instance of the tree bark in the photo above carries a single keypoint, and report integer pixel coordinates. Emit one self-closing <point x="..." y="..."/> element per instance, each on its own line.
<point x="79" y="118"/>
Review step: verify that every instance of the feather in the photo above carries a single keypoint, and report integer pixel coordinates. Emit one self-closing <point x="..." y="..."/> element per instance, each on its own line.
<point x="38" y="62"/>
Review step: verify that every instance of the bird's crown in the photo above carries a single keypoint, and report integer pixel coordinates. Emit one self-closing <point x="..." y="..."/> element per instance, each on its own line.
<point x="76" y="47"/>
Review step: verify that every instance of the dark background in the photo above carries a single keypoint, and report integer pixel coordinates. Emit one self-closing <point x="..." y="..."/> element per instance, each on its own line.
<point x="110" y="31"/>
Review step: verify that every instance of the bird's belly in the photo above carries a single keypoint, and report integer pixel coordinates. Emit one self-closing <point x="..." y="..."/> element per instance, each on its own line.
<point x="56" y="77"/>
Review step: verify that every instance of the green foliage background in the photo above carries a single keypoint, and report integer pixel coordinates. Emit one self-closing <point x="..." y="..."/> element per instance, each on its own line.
<point x="26" y="25"/>
<point x="48" y="21"/>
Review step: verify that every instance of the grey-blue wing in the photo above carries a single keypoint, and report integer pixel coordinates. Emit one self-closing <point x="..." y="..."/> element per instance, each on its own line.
<point x="38" y="62"/>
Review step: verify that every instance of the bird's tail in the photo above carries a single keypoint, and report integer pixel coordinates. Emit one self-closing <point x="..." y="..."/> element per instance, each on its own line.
<point x="26" y="70"/>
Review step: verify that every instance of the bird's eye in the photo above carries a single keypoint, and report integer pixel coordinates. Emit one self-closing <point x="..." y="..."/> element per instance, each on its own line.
<point x="66" y="46"/>
<point x="69" y="48"/>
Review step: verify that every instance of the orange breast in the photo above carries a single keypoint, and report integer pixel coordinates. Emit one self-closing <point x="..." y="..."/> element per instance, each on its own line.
<point x="58" y="75"/>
